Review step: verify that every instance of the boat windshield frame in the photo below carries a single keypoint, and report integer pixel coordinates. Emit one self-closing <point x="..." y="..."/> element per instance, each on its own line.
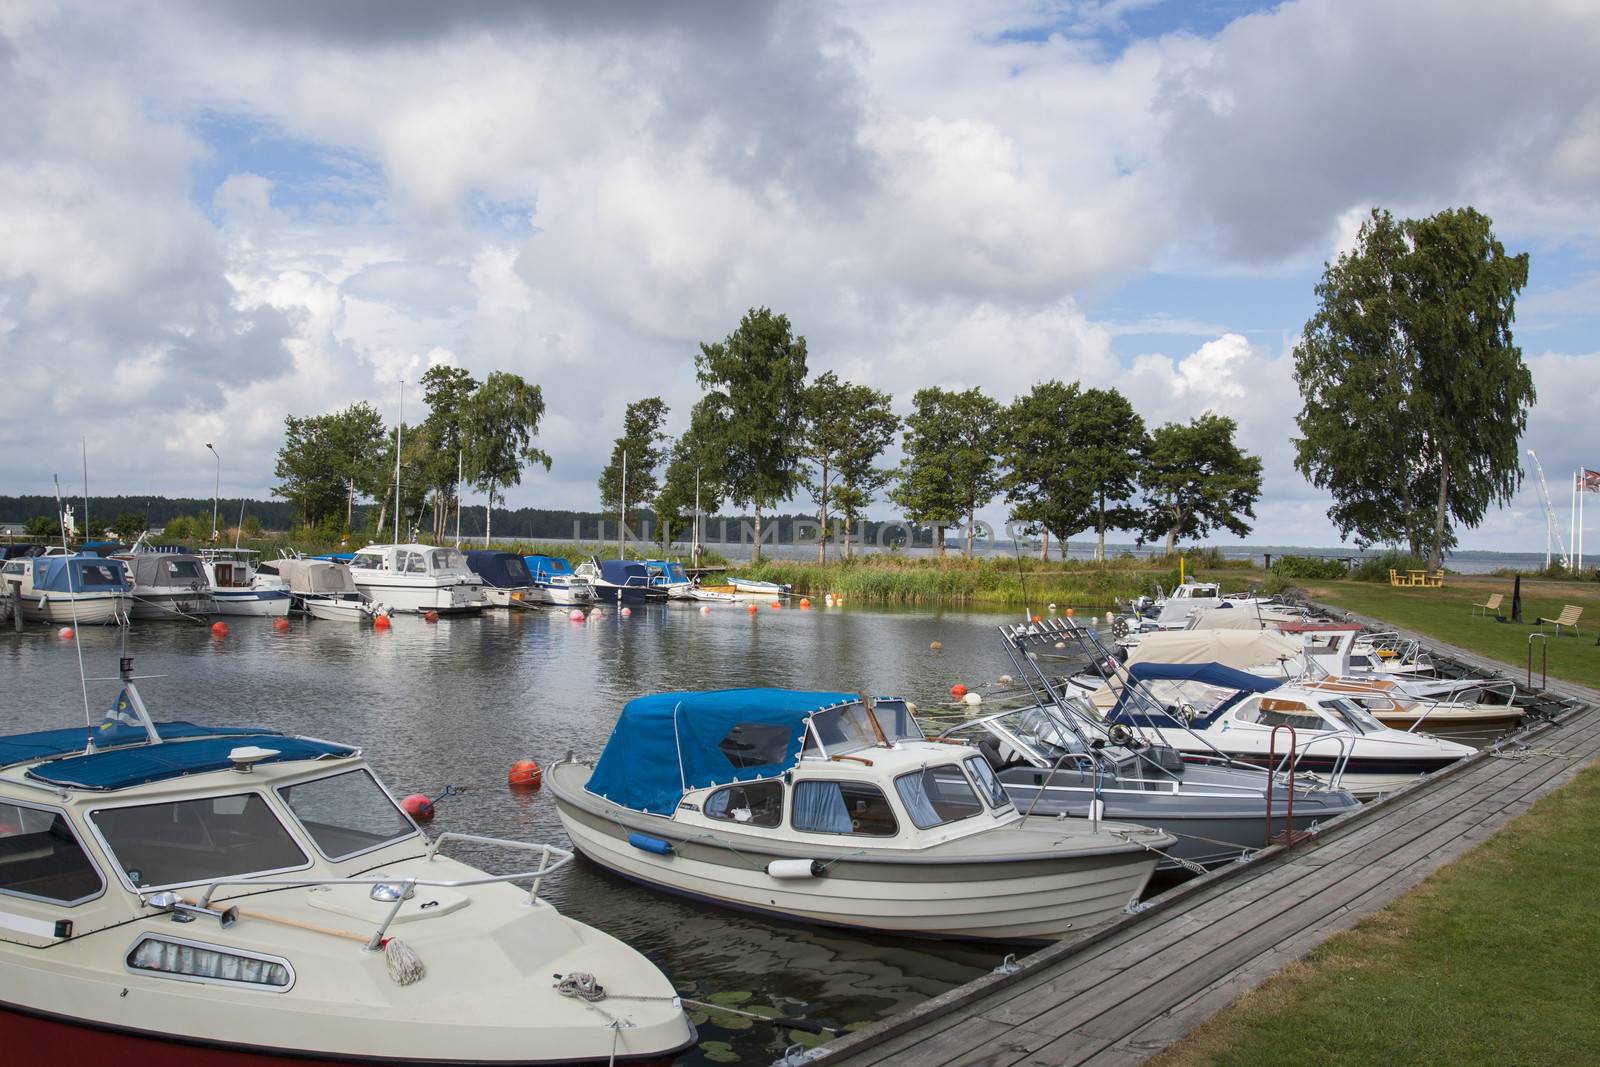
<point x="1352" y="716"/>
<point x="894" y="732"/>
<point x="121" y="870"/>
<point x="284" y="789"/>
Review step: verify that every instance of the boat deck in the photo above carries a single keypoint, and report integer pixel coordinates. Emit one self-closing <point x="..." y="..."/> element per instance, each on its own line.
<point x="1122" y="993"/>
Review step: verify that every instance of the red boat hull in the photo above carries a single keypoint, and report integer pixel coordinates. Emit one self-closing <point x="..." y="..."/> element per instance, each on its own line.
<point x="32" y="1038"/>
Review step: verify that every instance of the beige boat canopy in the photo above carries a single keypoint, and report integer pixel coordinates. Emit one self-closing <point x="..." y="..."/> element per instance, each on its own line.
<point x="1243" y="618"/>
<point x="1239" y="649"/>
<point x="313" y="575"/>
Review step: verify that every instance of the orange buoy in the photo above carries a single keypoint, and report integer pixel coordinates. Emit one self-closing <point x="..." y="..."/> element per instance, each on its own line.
<point x="525" y="774"/>
<point x="418" y="807"/>
<point x="430" y="616"/>
<point x="751" y="608"/>
<point x="1037" y="619"/>
<point x="705" y="609"/>
<point x="575" y="615"/>
<point x="776" y="604"/>
<point x="219" y="629"/>
<point x="380" y="622"/>
<point x="804" y="603"/>
<point x="66" y="633"/>
<point x="958" y="690"/>
<point x="1069" y="613"/>
<point x="280" y="623"/>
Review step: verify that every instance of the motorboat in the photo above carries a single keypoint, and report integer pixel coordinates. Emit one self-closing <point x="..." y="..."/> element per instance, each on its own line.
<point x="556" y="583"/>
<point x="168" y="583"/>
<point x="668" y="575"/>
<point x="506" y="580"/>
<point x="238" y="585"/>
<point x="1209" y="710"/>
<point x="833" y="808"/>
<point x="74" y="590"/>
<point x="1469" y="722"/>
<point x="185" y="894"/>
<point x="417" y="578"/>
<point x="324" y="589"/>
<point x="1176" y="610"/>
<point x="1057" y="756"/>
<point x="621" y="581"/>
<point x="751" y="587"/>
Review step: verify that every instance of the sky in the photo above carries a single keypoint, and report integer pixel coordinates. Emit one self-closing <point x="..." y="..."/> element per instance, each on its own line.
<point x="215" y="213"/>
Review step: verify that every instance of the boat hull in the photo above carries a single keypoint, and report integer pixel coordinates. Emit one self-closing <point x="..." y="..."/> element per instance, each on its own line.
<point x="1041" y="898"/>
<point x="336" y="610"/>
<point x="90" y="609"/>
<point x="626" y="594"/>
<point x="416" y="599"/>
<point x="153" y="604"/>
<point x="260" y="603"/>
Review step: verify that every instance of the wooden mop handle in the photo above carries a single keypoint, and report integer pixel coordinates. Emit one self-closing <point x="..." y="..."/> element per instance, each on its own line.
<point x="299" y="925"/>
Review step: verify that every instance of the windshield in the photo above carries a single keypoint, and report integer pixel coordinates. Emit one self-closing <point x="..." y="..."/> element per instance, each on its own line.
<point x="370" y="561"/>
<point x="988" y="784"/>
<point x="847" y="728"/>
<point x="1042" y="732"/>
<point x="1352" y="714"/>
<point x="934" y="796"/>
<point x="197" y="840"/>
<point x="346" y="813"/>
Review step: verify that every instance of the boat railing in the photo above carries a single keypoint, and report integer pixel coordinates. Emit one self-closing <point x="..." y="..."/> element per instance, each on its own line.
<point x="407" y="883"/>
<point x="1291" y="759"/>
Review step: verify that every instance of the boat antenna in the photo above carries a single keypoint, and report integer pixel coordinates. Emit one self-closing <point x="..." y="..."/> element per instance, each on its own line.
<point x="399" y="422"/>
<point x="84" y="441"/>
<point x="72" y="605"/>
<point x="238" y="531"/>
<point x="1022" y="580"/>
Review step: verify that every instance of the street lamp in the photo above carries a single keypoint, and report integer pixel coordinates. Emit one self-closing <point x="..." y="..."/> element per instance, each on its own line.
<point x="215" y="494"/>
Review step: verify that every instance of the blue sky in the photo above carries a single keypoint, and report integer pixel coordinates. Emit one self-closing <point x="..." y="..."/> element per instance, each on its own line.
<point x="232" y="212"/>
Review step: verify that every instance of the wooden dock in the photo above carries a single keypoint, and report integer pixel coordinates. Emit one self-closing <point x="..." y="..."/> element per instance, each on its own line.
<point x="1120" y="993"/>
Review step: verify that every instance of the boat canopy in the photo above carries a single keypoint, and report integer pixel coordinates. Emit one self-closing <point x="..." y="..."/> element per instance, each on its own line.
<point x="79" y="574"/>
<point x="543" y="568"/>
<point x="122" y="768"/>
<point x="668" y="743"/>
<point x="671" y="570"/>
<point x="1137" y="712"/>
<point x="624" y="572"/>
<point x="312" y="575"/>
<point x="43" y="744"/>
<point x="503" y="570"/>
<point x="155" y="569"/>
<point x="1240" y="649"/>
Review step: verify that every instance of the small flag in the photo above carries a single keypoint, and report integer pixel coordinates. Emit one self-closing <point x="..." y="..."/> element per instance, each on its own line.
<point x="120" y="715"/>
<point x="1589" y="481"/>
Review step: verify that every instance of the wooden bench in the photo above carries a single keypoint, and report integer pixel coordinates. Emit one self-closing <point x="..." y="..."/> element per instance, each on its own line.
<point x="1395" y="579"/>
<point x="1436" y="578"/>
<point x="1568" y="617"/>
<point x="1489" y="607"/>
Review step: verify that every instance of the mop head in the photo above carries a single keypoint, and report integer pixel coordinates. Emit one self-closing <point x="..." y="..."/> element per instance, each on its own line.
<point x="405" y="966"/>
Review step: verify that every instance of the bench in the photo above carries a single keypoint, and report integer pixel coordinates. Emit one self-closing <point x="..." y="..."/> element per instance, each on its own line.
<point x="1395" y="579"/>
<point x="1568" y="617"/>
<point x="1489" y="607"/>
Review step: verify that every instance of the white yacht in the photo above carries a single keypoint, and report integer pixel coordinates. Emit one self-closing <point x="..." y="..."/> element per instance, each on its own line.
<point x="238" y="585"/>
<point x="65" y="590"/>
<point x="417" y="578"/>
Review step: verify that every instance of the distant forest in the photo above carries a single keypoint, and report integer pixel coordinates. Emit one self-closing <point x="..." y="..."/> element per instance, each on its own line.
<point x="280" y="515"/>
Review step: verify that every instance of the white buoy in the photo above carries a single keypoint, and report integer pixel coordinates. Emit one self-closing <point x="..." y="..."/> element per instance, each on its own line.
<point x="972" y="699"/>
<point x="596" y="612"/>
<point x="1005" y="679"/>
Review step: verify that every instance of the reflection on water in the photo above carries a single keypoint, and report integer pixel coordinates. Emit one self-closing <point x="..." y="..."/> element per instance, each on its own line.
<point x="456" y="702"/>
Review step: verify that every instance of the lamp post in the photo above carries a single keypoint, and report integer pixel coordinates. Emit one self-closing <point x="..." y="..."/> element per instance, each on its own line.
<point x="216" y="494"/>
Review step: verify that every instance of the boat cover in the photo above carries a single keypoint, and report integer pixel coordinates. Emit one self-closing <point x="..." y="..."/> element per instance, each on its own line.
<point x="503" y="570"/>
<point x="42" y="744"/>
<point x="544" y="567"/>
<point x="1240" y="649"/>
<point x="670" y="742"/>
<point x="312" y="575"/>
<point x="1138" y="712"/>
<point x="155" y="570"/>
<point x="624" y="572"/>
<point x="86" y="574"/>
<point x="122" y="768"/>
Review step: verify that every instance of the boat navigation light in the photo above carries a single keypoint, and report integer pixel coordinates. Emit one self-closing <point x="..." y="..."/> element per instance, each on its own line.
<point x="244" y="759"/>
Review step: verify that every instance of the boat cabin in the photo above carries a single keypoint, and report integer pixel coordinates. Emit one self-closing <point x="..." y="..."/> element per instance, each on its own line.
<point x="543" y="569"/>
<point x="37" y="575"/>
<point x="418" y="560"/>
<point x="502" y="570"/>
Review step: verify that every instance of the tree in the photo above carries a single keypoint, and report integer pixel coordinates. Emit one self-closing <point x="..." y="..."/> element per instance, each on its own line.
<point x="1414" y="394"/>
<point x="694" y="474"/>
<point x="1108" y="447"/>
<point x="417" y="451"/>
<point x="642" y="443"/>
<point x="1044" y="481"/>
<point x="1196" y="479"/>
<point x="42" y="526"/>
<point x="446" y="390"/>
<point x="501" y="421"/>
<point x="951" y="441"/>
<point x="845" y="429"/>
<point x="755" y="388"/>
<point x="129" y="525"/>
<point x="309" y="466"/>
<point x="355" y="442"/>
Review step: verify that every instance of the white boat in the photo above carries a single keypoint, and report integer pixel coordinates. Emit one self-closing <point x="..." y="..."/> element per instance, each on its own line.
<point x="417" y="578"/>
<point x="186" y="895"/>
<point x="323" y="589"/>
<point x="751" y="587"/>
<point x="823" y="808"/>
<point x="65" y="590"/>
<point x="238" y="585"/>
<point x="556" y="583"/>
<point x="168" y="583"/>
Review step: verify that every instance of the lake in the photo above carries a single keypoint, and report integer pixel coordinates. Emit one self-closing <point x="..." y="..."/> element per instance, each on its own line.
<point x="456" y="702"/>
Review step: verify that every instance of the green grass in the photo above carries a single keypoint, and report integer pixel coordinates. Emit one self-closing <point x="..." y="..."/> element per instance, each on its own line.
<point x="1446" y="614"/>
<point x="1494" y="959"/>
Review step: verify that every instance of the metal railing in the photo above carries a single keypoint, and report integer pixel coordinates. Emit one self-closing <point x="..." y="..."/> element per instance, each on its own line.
<point x="410" y="882"/>
<point x="1544" y="662"/>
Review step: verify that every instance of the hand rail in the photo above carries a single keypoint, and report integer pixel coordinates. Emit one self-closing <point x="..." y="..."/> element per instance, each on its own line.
<point x="1544" y="663"/>
<point x="1272" y="752"/>
<point x="410" y="882"/>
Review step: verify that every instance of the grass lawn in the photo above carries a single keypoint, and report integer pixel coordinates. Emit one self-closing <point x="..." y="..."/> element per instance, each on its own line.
<point x="1446" y="614"/>
<point x="1495" y="959"/>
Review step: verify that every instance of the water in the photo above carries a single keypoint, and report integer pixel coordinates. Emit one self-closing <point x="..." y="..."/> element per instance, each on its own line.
<point x="458" y="701"/>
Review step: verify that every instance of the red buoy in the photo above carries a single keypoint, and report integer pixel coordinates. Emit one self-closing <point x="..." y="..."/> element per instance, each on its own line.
<point x="525" y="774"/>
<point x="280" y="623"/>
<point x="751" y="608"/>
<point x="776" y="604"/>
<point x="380" y="622"/>
<point x="66" y="633"/>
<point x="804" y="603"/>
<point x="418" y="807"/>
<point x="219" y="629"/>
<point x="431" y="616"/>
<point x="958" y="690"/>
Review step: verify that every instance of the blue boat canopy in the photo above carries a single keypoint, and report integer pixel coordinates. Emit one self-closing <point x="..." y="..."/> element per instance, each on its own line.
<point x="667" y="569"/>
<point x="624" y="572"/>
<point x="86" y="574"/>
<point x="42" y="744"/>
<point x="671" y="742"/>
<point x="122" y="768"/>
<point x="1138" y="712"/>
<point x="503" y="570"/>
<point x="543" y="567"/>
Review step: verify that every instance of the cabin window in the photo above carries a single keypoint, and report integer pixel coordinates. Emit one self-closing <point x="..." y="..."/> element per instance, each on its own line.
<point x="172" y="957"/>
<point x="15" y="568"/>
<point x="41" y="857"/>
<point x="367" y="561"/>
<point x="184" y="570"/>
<point x="98" y="574"/>
<point x="410" y="563"/>
<point x="755" y="744"/>
<point x="755" y="803"/>
<point x="988" y="784"/>
<point x="196" y="840"/>
<point x="346" y="814"/>
<point x="843" y="808"/>
<point x="1283" y="713"/>
<point x="446" y="559"/>
<point x="934" y="796"/>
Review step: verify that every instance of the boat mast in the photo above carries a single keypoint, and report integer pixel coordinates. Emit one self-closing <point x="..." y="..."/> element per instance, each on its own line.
<point x="622" y="511"/>
<point x="458" y="498"/>
<point x="85" y="442"/>
<point x="694" y="545"/>
<point x="398" y="422"/>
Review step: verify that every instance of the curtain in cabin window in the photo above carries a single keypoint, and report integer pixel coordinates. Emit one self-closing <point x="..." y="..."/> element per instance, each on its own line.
<point x="914" y="795"/>
<point x="820" y="806"/>
<point x="167" y="957"/>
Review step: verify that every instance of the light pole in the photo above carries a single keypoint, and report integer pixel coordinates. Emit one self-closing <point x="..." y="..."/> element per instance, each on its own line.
<point x="216" y="494"/>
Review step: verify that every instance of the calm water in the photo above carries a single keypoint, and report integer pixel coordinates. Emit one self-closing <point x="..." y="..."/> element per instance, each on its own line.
<point x="455" y="703"/>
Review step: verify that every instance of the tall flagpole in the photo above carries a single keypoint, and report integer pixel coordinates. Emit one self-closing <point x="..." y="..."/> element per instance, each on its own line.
<point x="398" y="423"/>
<point x="1583" y="491"/>
<point x="1572" y="518"/>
